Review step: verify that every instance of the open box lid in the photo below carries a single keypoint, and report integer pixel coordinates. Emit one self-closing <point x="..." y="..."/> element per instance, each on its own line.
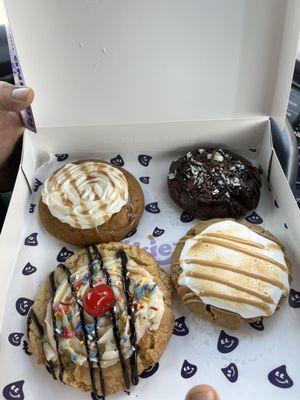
<point x="94" y="62"/>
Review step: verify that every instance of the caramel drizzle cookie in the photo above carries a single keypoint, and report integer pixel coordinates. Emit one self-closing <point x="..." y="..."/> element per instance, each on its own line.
<point x="232" y="266"/>
<point x="89" y="202"/>
<point x="85" y="195"/>
<point x="104" y="340"/>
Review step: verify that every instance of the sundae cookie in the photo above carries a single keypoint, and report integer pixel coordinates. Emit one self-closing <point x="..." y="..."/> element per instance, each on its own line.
<point x="214" y="183"/>
<point x="89" y="202"/>
<point x="231" y="271"/>
<point x="102" y="318"/>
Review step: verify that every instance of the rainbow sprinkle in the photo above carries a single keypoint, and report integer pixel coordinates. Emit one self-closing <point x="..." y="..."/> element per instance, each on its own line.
<point x="89" y="328"/>
<point x="144" y="280"/>
<point x="144" y="290"/>
<point x="93" y="356"/>
<point x="58" y="314"/>
<point x="152" y="289"/>
<point x="78" y="283"/>
<point x="74" y="357"/>
<point x="144" y="287"/>
<point x="79" y="329"/>
<point x="65" y="333"/>
<point x="65" y="303"/>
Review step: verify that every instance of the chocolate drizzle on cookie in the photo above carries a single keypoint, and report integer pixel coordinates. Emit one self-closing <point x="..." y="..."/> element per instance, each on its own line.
<point x="98" y="260"/>
<point x="53" y="290"/>
<point x="91" y="279"/>
<point x="210" y="183"/>
<point x="82" y="321"/>
<point x="95" y="262"/>
<point x="130" y="312"/>
<point x="33" y="317"/>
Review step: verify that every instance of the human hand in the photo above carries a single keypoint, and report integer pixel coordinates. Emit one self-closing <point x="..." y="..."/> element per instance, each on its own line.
<point x="202" y="392"/>
<point x="12" y="100"/>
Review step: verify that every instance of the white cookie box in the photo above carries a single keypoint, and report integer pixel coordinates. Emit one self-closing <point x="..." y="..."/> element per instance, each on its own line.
<point x="134" y="77"/>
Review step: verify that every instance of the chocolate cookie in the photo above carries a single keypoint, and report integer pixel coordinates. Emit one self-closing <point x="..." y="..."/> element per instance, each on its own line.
<point x="89" y="202"/>
<point x="209" y="183"/>
<point x="229" y="271"/>
<point x="102" y="318"/>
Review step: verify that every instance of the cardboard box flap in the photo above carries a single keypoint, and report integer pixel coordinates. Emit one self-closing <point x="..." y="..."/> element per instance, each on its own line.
<point x="105" y="62"/>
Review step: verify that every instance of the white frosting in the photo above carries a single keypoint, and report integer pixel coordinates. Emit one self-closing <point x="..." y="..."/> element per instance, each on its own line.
<point x="85" y="195"/>
<point x="147" y="316"/>
<point x="201" y="248"/>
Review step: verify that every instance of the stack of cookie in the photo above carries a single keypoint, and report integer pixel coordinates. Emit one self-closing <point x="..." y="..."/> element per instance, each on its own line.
<point x="105" y="315"/>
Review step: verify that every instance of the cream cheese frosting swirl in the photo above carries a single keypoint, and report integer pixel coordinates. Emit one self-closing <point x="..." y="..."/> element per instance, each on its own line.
<point x="148" y="303"/>
<point x="231" y="267"/>
<point x="85" y="195"/>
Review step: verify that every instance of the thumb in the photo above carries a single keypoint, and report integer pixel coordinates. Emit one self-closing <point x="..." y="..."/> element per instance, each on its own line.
<point x="13" y="98"/>
<point x="202" y="392"/>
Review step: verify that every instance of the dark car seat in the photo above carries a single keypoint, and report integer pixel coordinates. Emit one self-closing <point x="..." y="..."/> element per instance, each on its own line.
<point x="5" y="65"/>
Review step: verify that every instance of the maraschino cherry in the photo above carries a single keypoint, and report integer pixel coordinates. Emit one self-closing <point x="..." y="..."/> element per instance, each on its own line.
<point x="98" y="300"/>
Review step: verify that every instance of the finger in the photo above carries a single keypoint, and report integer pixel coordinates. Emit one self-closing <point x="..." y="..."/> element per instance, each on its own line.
<point x="202" y="392"/>
<point x="14" y="98"/>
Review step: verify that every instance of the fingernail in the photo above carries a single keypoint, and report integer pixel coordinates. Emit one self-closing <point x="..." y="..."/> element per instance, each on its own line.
<point x="202" y="392"/>
<point x="20" y="94"/>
